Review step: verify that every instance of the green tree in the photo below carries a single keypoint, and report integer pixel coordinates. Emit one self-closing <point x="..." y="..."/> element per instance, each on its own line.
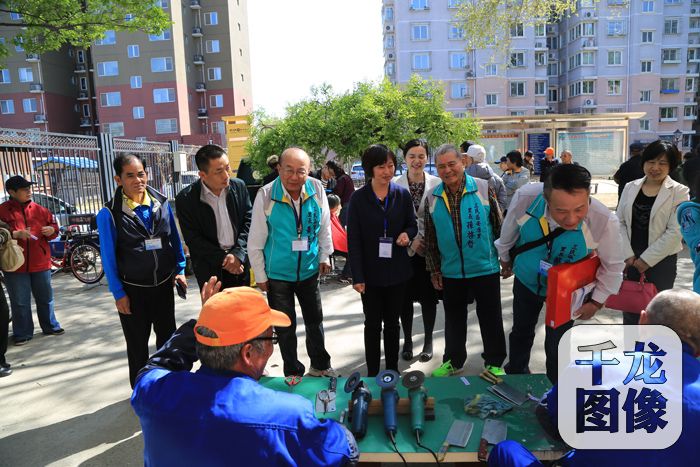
<point x="46" y="25"/>
<point x="347" y="123"/>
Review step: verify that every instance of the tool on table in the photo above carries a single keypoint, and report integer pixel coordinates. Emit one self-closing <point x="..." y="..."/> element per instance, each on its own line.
<point x="487" y="376"/>
<point x="459" y="434"/>
<point x="361" y="397"/>
<point x="502" y="389"/>
<point x="418" y="395"/>
<point x="486" y="405"/>
<point x="292" y="380"/>
<point x="493" y="433"/>
<point x="387" y="380"/>
<point x="325" y="399"/>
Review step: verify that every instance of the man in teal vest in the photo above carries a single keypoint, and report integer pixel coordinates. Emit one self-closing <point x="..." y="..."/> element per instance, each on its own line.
<point x="289" y="245"/>
<point x="578" y="225"/>
<point x="463" y="262"/>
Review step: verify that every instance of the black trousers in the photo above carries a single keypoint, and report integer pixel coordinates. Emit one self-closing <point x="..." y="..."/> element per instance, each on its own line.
<point x="420" y="289"/>
<point x="526" y="311"/>
<point x="382" y="305"/>
<point x="4" y="325"/>
<point x="150" y="306"/>
<point x="280" y="296"/>
<point x="227" y="279"/>
<point x="456" y="295"/>
<point x="662" y="275"/>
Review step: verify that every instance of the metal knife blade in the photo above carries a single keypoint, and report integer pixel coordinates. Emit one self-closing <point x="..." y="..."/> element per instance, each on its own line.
<point x="494" y="431"/>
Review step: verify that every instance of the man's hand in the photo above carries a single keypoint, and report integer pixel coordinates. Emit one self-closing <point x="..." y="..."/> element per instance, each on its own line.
<point x="47" y="231"/>
<point x="418" y="246"/>
<point x="402" y="239"/>
<point x="324" y="268"/>
<point x="232" y="264"/>
<point x="123" y="305"/>
<point x="506" y="269"/>
<point x="181" y="279"/>
<point x="21" y="234"/>
<point x="630" y="261"/>
<point x="641" y="265"/>
<point x="359" y="288"/>
<point x="210" y="287"/>
<point x="587" y="311"/>
<point x="436" y="279"/>
<point x="264" y="286"/>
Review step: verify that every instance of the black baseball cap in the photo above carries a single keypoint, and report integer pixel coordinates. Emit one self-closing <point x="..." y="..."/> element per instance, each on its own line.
<point x="17" y="182"/>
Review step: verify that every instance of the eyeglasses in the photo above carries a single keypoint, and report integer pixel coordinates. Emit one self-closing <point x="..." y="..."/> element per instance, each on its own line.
<point x="290" y="172"/>
<point x="274" y="338"/>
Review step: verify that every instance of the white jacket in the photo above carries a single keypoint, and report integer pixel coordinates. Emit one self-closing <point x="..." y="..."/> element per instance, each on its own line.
<point x="664" y="231"/>
<point x="431" y="181"/>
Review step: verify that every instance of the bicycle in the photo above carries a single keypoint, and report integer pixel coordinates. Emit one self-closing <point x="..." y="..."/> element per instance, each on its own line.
<point x="77" y="252"/>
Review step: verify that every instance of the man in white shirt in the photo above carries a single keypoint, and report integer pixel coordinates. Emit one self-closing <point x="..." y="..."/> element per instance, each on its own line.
<point x="290" y="244"/>
<point x="573" y="224"/>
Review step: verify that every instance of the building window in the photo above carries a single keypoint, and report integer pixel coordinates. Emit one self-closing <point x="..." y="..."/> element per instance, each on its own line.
<point x="616" y="28"/>
<point x="5" y="77"/>
<point x="108" y="68"/>
<point x="671" y="26"/>
<point x="166" y="125"/>
<point x="216" y="101"/>
<point x="109" y="38"/>
<point x="212" y="46"/>
<point x="643" y="125"/>
<point x="163" y="36"/>
<point x="135" y="82"/>
<point x="458" y="60"/>
<point x="211" y="18"/>
<point x="553" y="95"/>
<point x="162" y="3"/>
<point x="690" y="84"/>
<point x="161" y="64"/>
<point x="218" y="127"/>
<point x="647" y="6"/>
<point x="491" y="70"/>
<point x="614" y="57"/>
<point x="517" y="30"/>
<point x="420" y="32"/>
<point x="668" y="113"/>
<point x="588" y="29"/>
<point x="552" y="69"/>
<point x="85" y="110"/>
<point x="110" y="99"/>
<point x="455" y="33"/>
<point x="647" y="37"/>
<point x="29" y="105"/>
<point x="669" y="85"/>
<point x="690" y="111"/>
<point x="390" y="69"/>
<point x="454" y="3"/>
<point x="389" y="13"/>
<point x="540" y="30"/>
<point x="137" y="112"/>
<point x="540" y="88"/>
<point x="517" y="88"/>
<point x="517" y="113"/>
<point x="421" y="61"/>
<point x="575" y="89"/>
<point x="15" y="16"/>
<point x="517" y="59"/>
<point x="113" y="128"/>
<point x="588" y="87"/>
<point x="645" y="96"/>
<point x="693" y="54"/>
<point x="646" y="66"/>
<point x="26" y="75"/>
<point x="388" y="42"/>
<point x="492" y="99"/>
<point x="7" y="106"/>
<point x="458" y="90"/>
<point x="162" y="95"/>
<point x="540" y="58"/>
<point x="133" y="51"/>
<point x="614" y="87"/>
<point x="671" y="2"/>
<point x="214" y="74"/>
<point x="419" y="4"/>
<point x="670" y="55"/>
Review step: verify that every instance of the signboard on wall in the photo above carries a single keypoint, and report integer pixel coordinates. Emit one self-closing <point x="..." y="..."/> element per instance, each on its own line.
<point x="537" y="143"/>
<point x="499" y="144"/>
<point x="237" y="134"/>
<point x="601" y="152"/>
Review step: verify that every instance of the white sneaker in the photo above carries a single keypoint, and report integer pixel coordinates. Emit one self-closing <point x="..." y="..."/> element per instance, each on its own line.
<point x="318" y="373"/>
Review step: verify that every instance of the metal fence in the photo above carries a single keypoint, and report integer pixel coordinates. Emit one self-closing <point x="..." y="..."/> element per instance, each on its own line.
<point x="74" y="173"/>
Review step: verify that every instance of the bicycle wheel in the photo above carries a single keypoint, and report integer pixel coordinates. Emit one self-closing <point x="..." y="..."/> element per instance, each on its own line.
<point x="86" y="263"/>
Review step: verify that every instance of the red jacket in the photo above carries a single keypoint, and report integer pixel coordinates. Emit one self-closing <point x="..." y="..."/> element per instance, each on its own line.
<point x="37" y="253"/>
<point x="340" y="236"/>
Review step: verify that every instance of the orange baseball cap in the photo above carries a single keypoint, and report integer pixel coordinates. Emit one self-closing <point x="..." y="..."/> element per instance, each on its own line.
<point x="237" y="315"/>
<point x="549" y="151"/>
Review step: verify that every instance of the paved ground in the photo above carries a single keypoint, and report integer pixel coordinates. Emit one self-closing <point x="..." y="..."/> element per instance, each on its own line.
<point x="67" y="402"/>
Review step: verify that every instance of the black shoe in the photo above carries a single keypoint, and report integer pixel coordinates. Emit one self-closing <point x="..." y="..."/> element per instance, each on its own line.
<point x="407" y="353"/>
<point x="427" y="354"/>
<point x="54" y="332"/>
<point x="22" y="341"/>
<point x="5" y="371"/>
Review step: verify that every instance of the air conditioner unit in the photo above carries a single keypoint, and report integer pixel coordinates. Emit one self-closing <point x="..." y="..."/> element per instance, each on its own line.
<point x="390" y="56"/>
<point x="389" y="28"/>
<point x="469" y="74"/>
<point x="588" y="14"/>
<point x="550" y="108"/>
<point x="469" y="105"/>
<point x="693" y="10"/>
<point x="589" y="102"/>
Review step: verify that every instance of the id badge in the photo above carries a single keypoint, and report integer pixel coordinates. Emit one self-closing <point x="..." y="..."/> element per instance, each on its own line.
<point x="385" y="247"/>
<point x="300" y="244"/>
<point x="153" y="244"/>
<point x="544" y="268"/>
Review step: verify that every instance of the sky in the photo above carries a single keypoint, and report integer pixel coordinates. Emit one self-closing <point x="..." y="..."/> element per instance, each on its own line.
<point x="298" y="44"/>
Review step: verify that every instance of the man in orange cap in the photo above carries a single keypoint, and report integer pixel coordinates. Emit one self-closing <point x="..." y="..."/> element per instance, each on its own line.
<point x="546" y="163"/>
<point x="220" y="414"/>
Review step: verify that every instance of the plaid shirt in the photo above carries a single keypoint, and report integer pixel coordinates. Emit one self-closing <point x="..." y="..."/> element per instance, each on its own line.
<point x="432" y="253"/>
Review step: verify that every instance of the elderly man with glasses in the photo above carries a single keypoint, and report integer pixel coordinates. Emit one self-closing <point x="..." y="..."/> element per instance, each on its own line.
<point x="289" y="246"/>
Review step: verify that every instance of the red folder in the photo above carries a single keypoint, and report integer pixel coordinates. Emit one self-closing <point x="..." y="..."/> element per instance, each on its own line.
<point x="562" y="280"/>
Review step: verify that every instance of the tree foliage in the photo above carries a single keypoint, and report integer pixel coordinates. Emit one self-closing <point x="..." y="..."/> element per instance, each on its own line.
<point x="487" y="23"/>
<point x="47" y="25"/>
<point x="348" y="123"/>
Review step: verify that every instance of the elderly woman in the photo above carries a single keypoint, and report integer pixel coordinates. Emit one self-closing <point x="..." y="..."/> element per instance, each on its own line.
<point x="515" y="176"/>
<point x="651" y="236"/>
<point x="420" y="289"/>
<point x="381" y="224"/>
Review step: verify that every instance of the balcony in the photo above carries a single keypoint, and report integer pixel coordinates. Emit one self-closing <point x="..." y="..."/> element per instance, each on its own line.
<point x="690" y="117"/>
<point x="82" y="96"/>
<point x="669" y="91"/>
<point x="85" y="122"/>
<point x="36" y="87"/>
<point x="198" y="59"/>
<point x="589" y="44"/>
<point x="202" y="114"/>
<point x="200" y="87"/>
<point x="195" y="5"/>
<point x="692" y="71"/>
<point x="39" y="118"/>
<point x="80" y="68"/>
<point x="540" y="45"/>
<point x="32" y="58"/>
<point x="197" y="32"/>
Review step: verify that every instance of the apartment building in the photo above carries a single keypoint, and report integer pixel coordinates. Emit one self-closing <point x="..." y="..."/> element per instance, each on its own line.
<point x="173" y="86"/>
<point x="612" y="56"/>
